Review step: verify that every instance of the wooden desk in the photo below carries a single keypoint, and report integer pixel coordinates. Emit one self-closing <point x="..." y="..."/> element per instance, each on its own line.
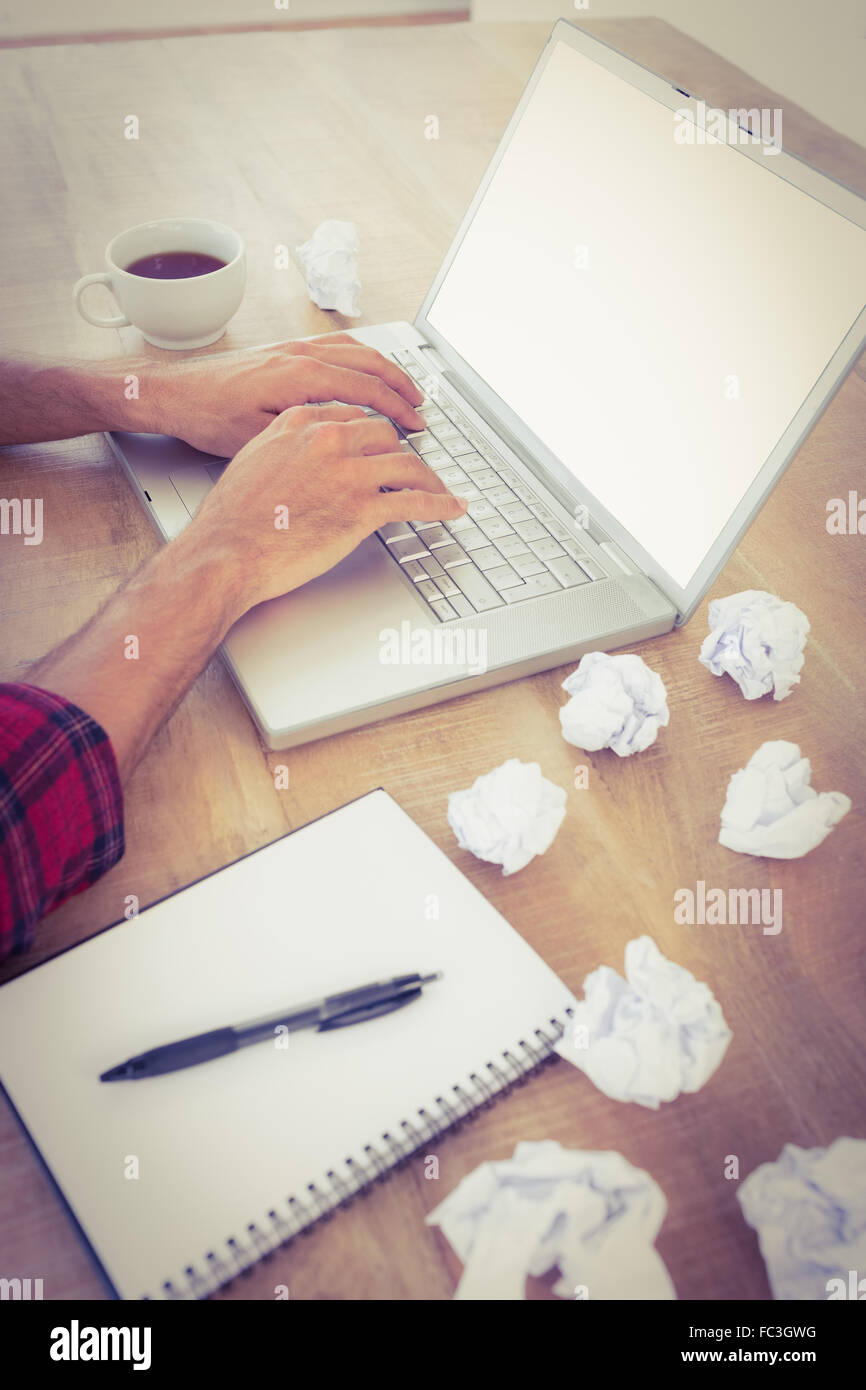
<point x="273" y="133"/>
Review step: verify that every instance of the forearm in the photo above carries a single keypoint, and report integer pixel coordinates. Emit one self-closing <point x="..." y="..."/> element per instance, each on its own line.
<point x="55" y="398"/>
<point x="137" y="657"/>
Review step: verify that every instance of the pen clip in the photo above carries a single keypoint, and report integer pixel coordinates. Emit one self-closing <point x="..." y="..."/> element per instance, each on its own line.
<point x="360" y="1015"/>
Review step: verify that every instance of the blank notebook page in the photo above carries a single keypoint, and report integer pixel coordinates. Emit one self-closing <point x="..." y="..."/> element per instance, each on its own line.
<point x="360" y="895"/>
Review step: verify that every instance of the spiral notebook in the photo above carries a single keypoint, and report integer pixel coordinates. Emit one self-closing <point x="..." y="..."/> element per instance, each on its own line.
<point x="182" y="1181"/>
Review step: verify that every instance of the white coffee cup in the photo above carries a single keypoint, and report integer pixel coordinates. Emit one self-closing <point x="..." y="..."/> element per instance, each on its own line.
<point x="184" y="313"/>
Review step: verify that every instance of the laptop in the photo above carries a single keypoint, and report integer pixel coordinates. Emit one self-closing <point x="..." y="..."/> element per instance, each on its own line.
<point x="638" y="321"/>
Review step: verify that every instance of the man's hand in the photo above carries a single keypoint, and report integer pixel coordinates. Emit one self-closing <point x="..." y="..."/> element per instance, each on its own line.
<point x="319" y="467"/>
<point x="219" y="403"/>
<point x="306" y="491"/>
<point x="300" y="495"/>
<point x="216" y="403"/>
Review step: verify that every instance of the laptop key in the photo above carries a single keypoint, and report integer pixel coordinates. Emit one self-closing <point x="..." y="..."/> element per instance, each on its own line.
<point x="473" y="538"/>
<point x="427" y="588"/>
<point x="461" y="524"/>
<point x="527" y="564"/>
<point x="533" y="587"/>
<point x="453" y="475"/>
<point x="459" y="447"/>
<point x="512" y="545"/>
<point x="515" y="511"/>
<point x="461" y="605"/>
<point x="567" y="572"/>
<point x="423" y="442"/>
<point x="523" y="492"/>
<point x="446" y="586"/>
<point x="430" y="566"/>
<point x="472" y="463"/>
<point x="503" y="578"/>
<point x="487" y="451"/>
<point x="451" y="556"/>
<point x="574" y="550"/>
<point x="486" y="479"/>
<point x="442" y="608"/>
<point x="434" y="535"/>
<point x="592" y="569"/>
<point x="408" y="549"/>
<point x="473" y="584"/>
<point x="558" y="530"/>
<point x="437" y="458"/>
<point x="493" y="527"/>
<point x="530" y="530"/>
<point x="395" y="531"/>
<point x="543" y="584"/>
<point x="546" y="548"/>
<point x="480" y="509"/>
<point x="487" y="559"/>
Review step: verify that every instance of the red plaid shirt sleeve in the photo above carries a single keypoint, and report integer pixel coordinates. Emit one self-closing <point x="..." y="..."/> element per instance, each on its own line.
<point x="61" y="808"/>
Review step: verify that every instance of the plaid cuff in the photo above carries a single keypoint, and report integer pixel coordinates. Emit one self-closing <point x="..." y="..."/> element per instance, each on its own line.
<point x="61" y="808"/>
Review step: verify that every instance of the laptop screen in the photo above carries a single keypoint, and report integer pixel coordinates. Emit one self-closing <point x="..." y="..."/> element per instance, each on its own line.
<point x="654" y="311"/>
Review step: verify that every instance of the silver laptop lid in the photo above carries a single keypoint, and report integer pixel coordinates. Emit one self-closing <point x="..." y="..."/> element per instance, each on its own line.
<point x="657" y="315"/>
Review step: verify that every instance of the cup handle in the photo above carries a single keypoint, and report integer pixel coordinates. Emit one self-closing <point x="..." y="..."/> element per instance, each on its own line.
<point x="118" y="321"/>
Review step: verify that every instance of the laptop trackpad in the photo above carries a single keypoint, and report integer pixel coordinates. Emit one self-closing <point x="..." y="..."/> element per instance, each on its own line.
<point x="343" y="641"/>
<point x="192" y="485"/>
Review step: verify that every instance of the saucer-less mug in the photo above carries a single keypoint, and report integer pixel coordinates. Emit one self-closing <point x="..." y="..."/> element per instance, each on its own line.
<point x="189" y="312"/>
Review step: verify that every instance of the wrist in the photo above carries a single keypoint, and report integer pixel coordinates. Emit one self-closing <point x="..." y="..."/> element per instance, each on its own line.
<point x="201" y="570"/>
<point x="127" y="393"/>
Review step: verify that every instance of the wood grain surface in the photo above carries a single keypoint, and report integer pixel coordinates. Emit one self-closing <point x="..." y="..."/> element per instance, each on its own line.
<point x="272" y="133"/>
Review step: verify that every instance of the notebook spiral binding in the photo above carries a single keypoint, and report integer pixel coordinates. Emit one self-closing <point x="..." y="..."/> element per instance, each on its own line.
<point x="239" y="1255"/>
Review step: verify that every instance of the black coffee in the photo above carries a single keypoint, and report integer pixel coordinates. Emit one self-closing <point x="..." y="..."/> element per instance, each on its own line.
<point x="175" y="265"/>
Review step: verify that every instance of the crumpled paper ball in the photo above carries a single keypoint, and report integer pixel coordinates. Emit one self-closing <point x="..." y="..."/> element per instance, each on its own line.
<point x="758" y="639"/>
<point x="772" y="811"/>
<point x="616" y="702"/>
<point x="649" y="1037"/>
<point x="589" y="1214"/>
<point x="330" y="264"/>
<point x="508" y="815"/>
<point x="809" y="1209"/>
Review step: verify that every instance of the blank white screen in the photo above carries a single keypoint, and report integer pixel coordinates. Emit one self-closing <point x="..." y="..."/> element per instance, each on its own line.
<point x="701" y="266"/>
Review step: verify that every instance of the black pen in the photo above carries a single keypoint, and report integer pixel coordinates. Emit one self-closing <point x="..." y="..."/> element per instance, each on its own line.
<point x="335" y="1011"/>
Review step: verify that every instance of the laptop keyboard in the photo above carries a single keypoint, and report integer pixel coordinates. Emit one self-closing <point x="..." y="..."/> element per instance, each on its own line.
<point x="506" y="548"/>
